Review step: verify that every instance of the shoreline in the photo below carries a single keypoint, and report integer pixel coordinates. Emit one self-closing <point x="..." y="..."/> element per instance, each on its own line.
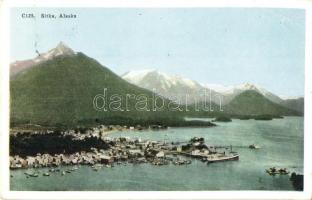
<point x="130" y="147"/>
<point x="124" y="149"/>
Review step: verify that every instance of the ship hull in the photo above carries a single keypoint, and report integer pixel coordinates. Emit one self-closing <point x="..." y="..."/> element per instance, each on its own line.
<point x="223" y="159"/>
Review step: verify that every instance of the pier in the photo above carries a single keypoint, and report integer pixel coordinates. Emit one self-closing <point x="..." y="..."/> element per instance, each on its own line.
<point x="112" y="151"/>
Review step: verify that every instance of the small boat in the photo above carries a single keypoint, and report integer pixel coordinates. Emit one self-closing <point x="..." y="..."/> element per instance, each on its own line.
<point x="63" y="173"/>
<point x="253" y="146"/>
<point x="31" y="174"/>
<point x="73" y="169"/>
<point x="46" y="174"/>
<point x="182" y="162"/>
<point x="52" y="170"/>
<point x="273" y="171"/>
<point x="283" y="171"/>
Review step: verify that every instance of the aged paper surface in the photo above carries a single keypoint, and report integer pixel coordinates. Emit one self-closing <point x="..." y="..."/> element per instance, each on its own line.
<point x="160" y="97"/>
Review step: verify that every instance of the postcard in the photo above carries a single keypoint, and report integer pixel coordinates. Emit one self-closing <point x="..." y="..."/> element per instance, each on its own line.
<point x="169" y="101"/>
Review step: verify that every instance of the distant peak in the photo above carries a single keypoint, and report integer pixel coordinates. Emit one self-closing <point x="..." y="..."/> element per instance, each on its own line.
<point x="249" y="86"/>
<point x="62" y="45"/>
<point x="153" y="74"/>
<point x="62" y="48"/>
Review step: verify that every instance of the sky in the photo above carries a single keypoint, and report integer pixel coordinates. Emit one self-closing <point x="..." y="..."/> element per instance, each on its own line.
<point x="227" y="46"/>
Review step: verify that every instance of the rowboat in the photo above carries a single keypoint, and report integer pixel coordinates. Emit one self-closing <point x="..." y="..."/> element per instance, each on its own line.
<point x="273" y="171"/>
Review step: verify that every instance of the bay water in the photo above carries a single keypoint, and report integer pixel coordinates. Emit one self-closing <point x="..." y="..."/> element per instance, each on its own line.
<point x="281" y="142"/>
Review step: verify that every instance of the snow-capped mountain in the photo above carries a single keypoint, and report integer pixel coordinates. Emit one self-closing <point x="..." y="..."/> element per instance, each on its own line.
<point x="166" y="81"/>
<point x="177" y="88"/>
<point x="60" y="50"/>
<point x="230" y="92"/>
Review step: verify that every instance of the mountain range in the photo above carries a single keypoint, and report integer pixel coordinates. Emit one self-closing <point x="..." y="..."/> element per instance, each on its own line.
<point x="58" y="88"/>
<point x="177" y="86"/>
<point x="61" y="90"/>
<point x="179" y="89"/>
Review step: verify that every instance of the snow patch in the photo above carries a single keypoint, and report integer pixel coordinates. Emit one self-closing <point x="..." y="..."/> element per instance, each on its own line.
<point x="166" y="80"/>
<point x="136" y="76"/>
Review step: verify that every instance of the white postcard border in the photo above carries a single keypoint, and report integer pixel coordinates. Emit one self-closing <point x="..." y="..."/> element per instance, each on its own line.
<point x="4" y="115"/>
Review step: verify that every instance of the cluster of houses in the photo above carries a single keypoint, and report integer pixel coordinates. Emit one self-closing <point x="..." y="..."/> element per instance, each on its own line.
<point x="47" y="160"/>
<point x="102" y="130"/>
<point x="120" y="150"/>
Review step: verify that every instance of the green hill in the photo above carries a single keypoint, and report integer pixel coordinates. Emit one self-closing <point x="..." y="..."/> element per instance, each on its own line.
<point x="252" y="103"/>
<point x="295" y="104"/>
<point x="60" y="92"/>
<point x="245" y="105"/>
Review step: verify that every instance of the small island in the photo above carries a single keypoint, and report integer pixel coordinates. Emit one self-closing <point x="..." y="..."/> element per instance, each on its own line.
<point x="267" y="117"/>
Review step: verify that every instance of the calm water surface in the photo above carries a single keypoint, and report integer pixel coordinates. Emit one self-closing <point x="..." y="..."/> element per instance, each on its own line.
<point x="282" y="146"/>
